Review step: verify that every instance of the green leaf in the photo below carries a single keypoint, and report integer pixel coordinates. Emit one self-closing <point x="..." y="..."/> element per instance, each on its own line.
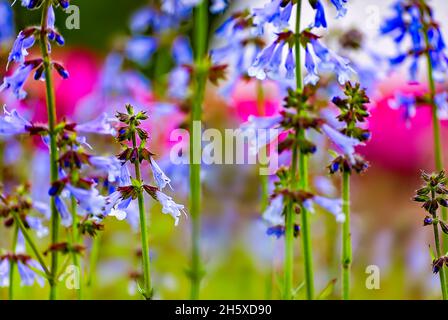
<point x="328" y="290"/>
<point x="297" y="290"/>
<point x="279" y="283"/>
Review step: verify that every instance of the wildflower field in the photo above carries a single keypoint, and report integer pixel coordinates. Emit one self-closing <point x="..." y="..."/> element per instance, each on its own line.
<point x="223" y="150"/>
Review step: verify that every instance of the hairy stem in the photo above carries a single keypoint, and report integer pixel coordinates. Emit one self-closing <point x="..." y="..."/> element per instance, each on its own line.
<point x="346" y="237"/>
<point x="200" y="48"/>
<point x="143" y="229"/>
<point x="51" y="110"/>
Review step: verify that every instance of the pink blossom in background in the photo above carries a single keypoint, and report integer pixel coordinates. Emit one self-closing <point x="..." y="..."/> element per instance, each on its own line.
<point x="244" y="99"/>
<point x="394" y="145"/>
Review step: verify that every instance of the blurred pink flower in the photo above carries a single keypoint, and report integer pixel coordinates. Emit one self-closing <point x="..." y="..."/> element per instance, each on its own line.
<point x="394" y="145"/>
<point x="244" y="99"/>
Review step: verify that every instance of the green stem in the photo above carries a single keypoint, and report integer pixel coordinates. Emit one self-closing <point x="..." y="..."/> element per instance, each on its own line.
<point x="442" y="269"/>
<point x="289" y="234"/>
<point x="305" y="227"/>
<point x="200" y="48"/>
<point x="143" y="228"/>
<point x="51" y="110"/>
<point x="438" y="155"/>
<point x="12" y="263"/>
<point x="346" y="237"/>
<point x="93" y="261"/>
<point x="74" y="240"/>
<point x="263" y="178"/>
<point x="32" y="245"/>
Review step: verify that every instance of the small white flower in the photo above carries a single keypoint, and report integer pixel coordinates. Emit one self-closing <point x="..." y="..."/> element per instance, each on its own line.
<point x="170" y="207"/>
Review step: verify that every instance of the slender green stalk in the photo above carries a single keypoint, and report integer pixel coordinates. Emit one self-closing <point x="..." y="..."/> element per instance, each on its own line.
<point x="143" y="229"/>
<point x="12" y="264"/>
<point x="438" y="155"/>
<point x="93" y="261"/>
<point x="200" y="48"/>
<point x="51" y="110"/>
<point x="32" y="245"/>
<point x="442" y="274"/>
<point x="346" y="237"/>
<point x="74" y="240"/>
<point x="263" y="178"/>
<point x="289" y="234"/>
<point x="305" y="227"/>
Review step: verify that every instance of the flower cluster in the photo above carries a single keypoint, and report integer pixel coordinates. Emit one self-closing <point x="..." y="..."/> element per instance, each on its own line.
<point x="414" y="19"/>
<point x="130" y="189"/>
<point x="25" y="40"/>
<point x="274" y="215"/>
<point x="348" y="135"/>
<point x="18" y="203"/>
<point x="433" y="195"/>
<point x="240" y="28"/>
<point x="18" y="208"/>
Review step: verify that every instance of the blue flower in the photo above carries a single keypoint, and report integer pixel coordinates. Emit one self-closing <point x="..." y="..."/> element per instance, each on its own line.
<point x="159" y="176"/>
<point x="6" y="23"/>
<point x="179" y="83"/>
<point x="324" y="185"/>
<point x="339" y="5"/>
<point x="272" y="13"/>
<point x="333" y="206"/>
<point x="267" y="61"/>
<point x="12" y="123"/>
<point x="115" y="205"/>
<point x="261" y="131"/>
<point x="142" y="19"/>
<point x="88" y="199"/>
<point x="274" y="212"/>
<point x="141" y="48"/>
<point x="17" y="80"/>
<point x="310" y="65"/>
<point x="109" y="164"/>
<point x="66" y="216"/>
<point x="52" y="34"/>
<point x="408" y="20"/>
<point x="344" y="143"/>
<point x="170" y="207"/>
<point x="218" y="6"/>
<point x="408" y="103"/>
<point x="395" y="25"/>
<point x="290" y="65"/>
<point x="179" y="8"/>
<point x="327" y="61"/>
<point x="320" y="20"/>
<point x="36" y="224"/>
<point x="100" y="125"/>
<point x="181" y="51"/>
<point x="441" y="101"/>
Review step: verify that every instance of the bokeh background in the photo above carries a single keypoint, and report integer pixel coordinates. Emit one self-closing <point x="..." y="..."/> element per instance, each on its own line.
<point x="242" y="262"/>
